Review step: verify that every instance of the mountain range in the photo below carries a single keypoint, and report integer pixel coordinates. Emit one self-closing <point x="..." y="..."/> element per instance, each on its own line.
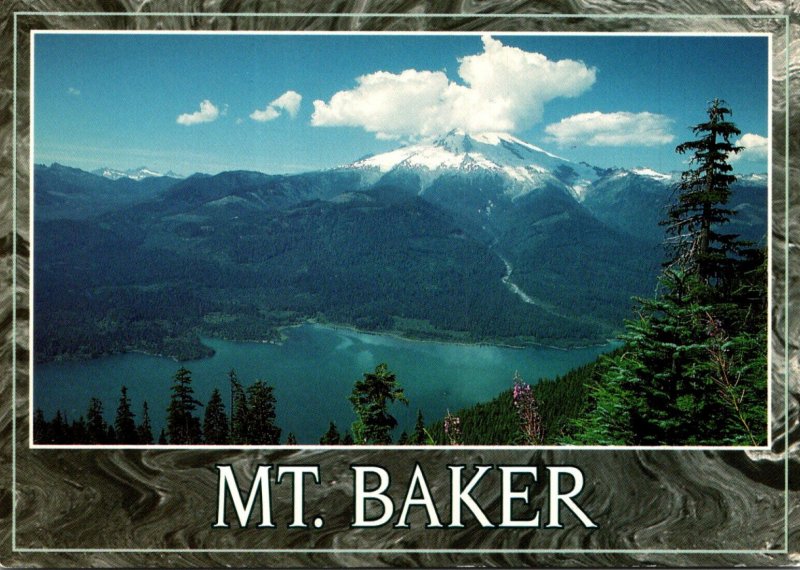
<point x="478" y="238"/>
<point x="133" y="173"/>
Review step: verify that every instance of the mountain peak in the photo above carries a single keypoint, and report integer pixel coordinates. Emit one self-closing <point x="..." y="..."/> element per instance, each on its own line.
<point x="524" y="166"/>
<point x="132" y="173"/>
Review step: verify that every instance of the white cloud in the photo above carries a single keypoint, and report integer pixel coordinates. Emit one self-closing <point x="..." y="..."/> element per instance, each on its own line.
<point x="267" y="114"/>
<point x="612" y="129"/>
<point x="289" y="102"/>
<point x="756" y="148"/>
<point x="73" y="91"/>
<point x="504" y="89"/>
<point x="208" y="112"/>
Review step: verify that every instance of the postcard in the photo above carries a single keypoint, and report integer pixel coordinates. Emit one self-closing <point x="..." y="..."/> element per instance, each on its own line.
<point x="399" y="289"/>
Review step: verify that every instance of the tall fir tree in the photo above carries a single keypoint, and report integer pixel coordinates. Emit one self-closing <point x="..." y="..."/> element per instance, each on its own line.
<point x="696" y="221"/>
<point x="39" y="426"/>
<point x="215" y="421"/>
<point x="693" y="367"/>
<point x="331" y="437"/>
<point x="183" y="427"/>
<point x="261" y="428"/>
<point x="124" y="423"/>
<point x="239" y="411"/>
<point x="418" y="436"/>
<point x="58" y="432"/>
<point x="78" y="431"/>
<point x="96" y="426"/>
<point x="370" y="399"/>
<point x="145" y="429"/>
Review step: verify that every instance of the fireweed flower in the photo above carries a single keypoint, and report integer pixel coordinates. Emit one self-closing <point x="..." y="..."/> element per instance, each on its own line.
<point x="452" y="428"/>
<point x="528" y="411"/>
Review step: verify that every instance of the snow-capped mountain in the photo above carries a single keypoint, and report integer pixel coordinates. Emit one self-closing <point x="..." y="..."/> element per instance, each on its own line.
<point x="523" y="167"/>
<point x="133" y="173"/>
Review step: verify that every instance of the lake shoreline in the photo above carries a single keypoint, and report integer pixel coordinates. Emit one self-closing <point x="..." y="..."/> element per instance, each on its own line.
<point x="436" y="376"/>
<point x="395" y="333"/>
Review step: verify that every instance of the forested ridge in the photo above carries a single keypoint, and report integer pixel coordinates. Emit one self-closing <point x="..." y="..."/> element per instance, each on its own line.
<point x="126" y="283"/>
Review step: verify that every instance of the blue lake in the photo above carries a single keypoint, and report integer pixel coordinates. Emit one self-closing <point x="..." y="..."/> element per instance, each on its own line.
<point x="313" y="372"/>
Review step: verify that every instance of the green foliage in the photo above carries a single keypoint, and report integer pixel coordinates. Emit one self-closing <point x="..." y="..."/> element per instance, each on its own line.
<point x="124" y="424"/>
<point x="183" y="427"/>
<point x="261" y="428"/>
<point x="239" y="411"/>
<point x="215" y="421"/>
<point x="560" y="401"/>
<point x="144" y="430"/>
<point x="370" y="399"/>
<point x="96" y="426"/>
<point x="696" y="218"/>
<point x="418" y="436"/>
<point x="140" y="280"/>
<point x="331" y="437"/>
<point x="693" y="370"/>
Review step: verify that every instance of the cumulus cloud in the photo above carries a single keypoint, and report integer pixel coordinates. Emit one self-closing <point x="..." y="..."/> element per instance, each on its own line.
<point x="612" y="129"/>
<point x="756" y="148"/>
<point x="73" y="91"/>
<point x="208" y="112"/>
<point x="288" y="102"/>
<point x="504" y="89"/>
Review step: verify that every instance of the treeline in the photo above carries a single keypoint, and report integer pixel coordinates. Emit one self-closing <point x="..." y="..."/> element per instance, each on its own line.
<point x="522" y="415"/>
<point x="93" y="428"/>
<point x="252" y="421"/>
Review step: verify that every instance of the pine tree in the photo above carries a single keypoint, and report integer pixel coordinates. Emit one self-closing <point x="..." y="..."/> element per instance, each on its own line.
<point x="96" y="427"/>
<point x="261" y="428"/>
<point x="78" y="431"/>
<point x="162" y="437"/>
<point x="215" y="422"/>
<point x="695" y="221"/>
<point x="693" y="369"/>
<point x="145" y="430"/>
<point x="331" y="437"/>
<point x="370" y="399"/>
<point x="291" y="439"/>
<point x="418" y="436"/>
<point x="58" y="429"/>
<point x="39" y="426"/>
<point x="239" y="411"/>
<point x="124" y="424"/>
<point x="183" y="427"/>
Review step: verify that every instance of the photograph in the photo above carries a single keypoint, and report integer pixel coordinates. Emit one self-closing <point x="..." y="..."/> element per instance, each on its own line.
<point x="399" y="284"/>
<point x="402" y="239"/>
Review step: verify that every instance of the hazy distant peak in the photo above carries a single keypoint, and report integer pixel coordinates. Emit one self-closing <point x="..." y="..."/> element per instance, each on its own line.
<point x="133" y="173"/>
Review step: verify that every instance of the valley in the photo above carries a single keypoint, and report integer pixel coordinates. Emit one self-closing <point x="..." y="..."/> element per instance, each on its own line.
<point x="471" y="239"/>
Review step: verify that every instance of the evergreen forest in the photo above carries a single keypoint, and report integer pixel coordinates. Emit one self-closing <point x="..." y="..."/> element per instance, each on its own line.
<point x="692" y="368"/>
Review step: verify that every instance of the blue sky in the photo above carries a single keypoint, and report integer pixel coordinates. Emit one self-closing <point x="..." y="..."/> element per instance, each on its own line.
<point x="293" y="103"/>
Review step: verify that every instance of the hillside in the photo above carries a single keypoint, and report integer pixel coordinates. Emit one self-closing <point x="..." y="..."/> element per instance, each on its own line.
<point x="476" y="239"/>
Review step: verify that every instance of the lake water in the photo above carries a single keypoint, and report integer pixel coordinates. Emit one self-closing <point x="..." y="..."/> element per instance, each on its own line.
<point x="313" y="373"/>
